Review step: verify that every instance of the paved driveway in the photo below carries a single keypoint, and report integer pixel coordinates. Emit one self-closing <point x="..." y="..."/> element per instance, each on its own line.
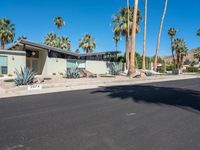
<point x="158" y="116"/>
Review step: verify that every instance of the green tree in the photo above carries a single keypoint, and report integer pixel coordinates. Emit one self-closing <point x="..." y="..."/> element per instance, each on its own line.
<point x="123" y="25"/>
<point x="59" y="42"/>
<point x="197" y="54"/>
<point x="198" y="32"/>
<point x="87" y="43"/>
<point x="172" y="33"/>
<point x="21" y="38"/>
<point x="51" y="40"/>
<point x="64" y="43"/>
<point x="77" y="51"/>
<point x="180" y="48"/>
<point x="59" y="22"/>
<point x="116" y="38"/>
<point x="7" y="32"/>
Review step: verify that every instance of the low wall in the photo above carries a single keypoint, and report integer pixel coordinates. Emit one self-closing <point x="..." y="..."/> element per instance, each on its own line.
<point x="15" y="59"/>
<point x="55" y="65"/>
<point x="101" y="67"/>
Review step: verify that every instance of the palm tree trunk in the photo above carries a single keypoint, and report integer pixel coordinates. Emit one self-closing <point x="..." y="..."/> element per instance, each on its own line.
<point x="128" y="39"/>
<point x="127" y="53"/>
<point x="116" y="45"/>
<point x="159" y="35"/>
<point x="132" y="61"/>
<point x="174" y="61"/>
<point x="2" y="44"/>
<point x="144" y="41"/>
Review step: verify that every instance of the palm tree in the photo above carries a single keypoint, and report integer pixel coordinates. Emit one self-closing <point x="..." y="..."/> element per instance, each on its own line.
<point x="134" y="28"/>
<point x="123" y="26"/>
<point x="144" y="41"/>
<point x="7" y="32"/>
<point x="59" y="22"/>
<point x="116" y="38"/>
<point x="179" y="46"/>
<point x="172" y="33"/>
<point x="21" y="38"/>
<point x="87" y="43"/>
<point x="159" y="35"/>
<point x="197" y="54"/>
<point x="51" y="40"/>
<point x="64" y="43"/>
<point x="198" y="32"/>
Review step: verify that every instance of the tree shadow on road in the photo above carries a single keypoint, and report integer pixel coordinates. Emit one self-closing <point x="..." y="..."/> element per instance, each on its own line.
<point x="183" y="98"/>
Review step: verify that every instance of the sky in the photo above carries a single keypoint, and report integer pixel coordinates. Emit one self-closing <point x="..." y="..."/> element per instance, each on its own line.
<point x="34" y="19"/>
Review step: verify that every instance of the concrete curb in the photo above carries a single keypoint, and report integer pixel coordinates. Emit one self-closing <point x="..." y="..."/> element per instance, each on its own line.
<point x="52" y="88"/>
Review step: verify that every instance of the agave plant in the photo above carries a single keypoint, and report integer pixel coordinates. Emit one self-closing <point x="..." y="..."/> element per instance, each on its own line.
<point x="24" y="77"/>
<point x="72" y="73"/>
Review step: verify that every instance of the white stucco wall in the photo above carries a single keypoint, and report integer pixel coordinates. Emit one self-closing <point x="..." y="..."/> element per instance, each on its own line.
<point x="97" y="67"/>
<point x="101" y="67"/>
<point x="16" y="59"/>
<point x="55" y="65"/>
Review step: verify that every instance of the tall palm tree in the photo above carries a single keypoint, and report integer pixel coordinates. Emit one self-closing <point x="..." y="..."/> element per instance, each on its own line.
<point x="116" y="38"/>
<point x="64" y="43"/>
<point x="159" y="35"/>
<point x="145" y="35"/>
<point x="123" y="25"/>
<point x="172" y="33"/>
<point x="198" y="32"/>
<point x="7" y="32"/>
<point x="197" y="54"/>
<point x="51" y="40"/>
<point x="133" y="35"/>
<point x="180" y="48"/>
<point x="59" y="22"/>
<point x="87" y="43"/>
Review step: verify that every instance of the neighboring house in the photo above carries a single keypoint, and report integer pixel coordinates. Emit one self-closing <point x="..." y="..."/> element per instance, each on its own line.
<point x="46" y="60"/>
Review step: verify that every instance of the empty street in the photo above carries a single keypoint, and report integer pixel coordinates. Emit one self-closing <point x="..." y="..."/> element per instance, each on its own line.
<point x="157" y="116"/>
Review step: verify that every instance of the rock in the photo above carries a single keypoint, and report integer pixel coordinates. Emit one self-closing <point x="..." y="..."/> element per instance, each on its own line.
<point x="38" y="79"/>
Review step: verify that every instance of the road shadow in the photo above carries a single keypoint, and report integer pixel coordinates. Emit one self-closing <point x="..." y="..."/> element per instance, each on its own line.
<point x="182" y="98"/>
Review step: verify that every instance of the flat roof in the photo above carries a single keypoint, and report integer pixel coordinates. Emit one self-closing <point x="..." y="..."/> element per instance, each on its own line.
<point x="62" y="51"/>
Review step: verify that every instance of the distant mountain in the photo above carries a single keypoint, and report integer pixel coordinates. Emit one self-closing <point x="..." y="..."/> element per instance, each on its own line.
<point x="190" y="56"/>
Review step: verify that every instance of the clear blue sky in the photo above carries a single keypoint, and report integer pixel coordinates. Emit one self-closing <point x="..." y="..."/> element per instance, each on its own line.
<point x="34" y="19"/>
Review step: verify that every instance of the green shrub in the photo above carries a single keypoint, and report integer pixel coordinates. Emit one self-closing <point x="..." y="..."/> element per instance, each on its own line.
<point x="72" y="73"/>
<point x="10" y="75"/>
<point x="170" y="67"/>
<point x="192" y="69"/>
<point x="1" y="75"/>
<point x="10" y="80"/>
<point x="24" y="77"/>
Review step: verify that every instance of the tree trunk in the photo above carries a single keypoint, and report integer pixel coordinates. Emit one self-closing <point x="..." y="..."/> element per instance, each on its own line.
<point x="144" y="41"/>
<point x="2" y="44"/>
<point x="132" y="61"/>
<point x="128" y="39"/>
<point x="116" y="46"/>
<point x="159" y="36"/>
<point x="174" y="61"/>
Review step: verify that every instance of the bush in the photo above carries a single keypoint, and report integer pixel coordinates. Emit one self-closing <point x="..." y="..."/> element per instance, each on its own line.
<point x="170" y="67"/>
<point x="192" y="69"/>
<point x="54" y="74"/>
<point x="10" y="75"/>
<point x="1" y="75"/>
<point x="72" y="73"/>
<point x="24" y="77"/>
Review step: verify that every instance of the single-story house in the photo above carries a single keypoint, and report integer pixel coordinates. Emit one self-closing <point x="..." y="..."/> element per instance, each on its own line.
<point x="47" y="60"/>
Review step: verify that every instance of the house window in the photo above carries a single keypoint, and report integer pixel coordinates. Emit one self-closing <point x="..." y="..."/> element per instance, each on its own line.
<point x="33" y="54"/>
<point x="3" y="65"/>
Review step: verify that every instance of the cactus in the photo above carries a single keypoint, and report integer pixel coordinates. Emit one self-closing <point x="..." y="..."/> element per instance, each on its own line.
<point x="24" y="77"/>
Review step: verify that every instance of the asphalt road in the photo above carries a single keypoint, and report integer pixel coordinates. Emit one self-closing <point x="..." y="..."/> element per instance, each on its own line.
<point x="157" y="116"/>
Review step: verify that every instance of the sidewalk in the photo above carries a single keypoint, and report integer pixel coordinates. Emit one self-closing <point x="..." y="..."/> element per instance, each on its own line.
<point x="82" y="84"/>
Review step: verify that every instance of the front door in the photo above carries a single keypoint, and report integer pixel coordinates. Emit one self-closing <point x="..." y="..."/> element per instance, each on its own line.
<point x="32" y="63"/>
